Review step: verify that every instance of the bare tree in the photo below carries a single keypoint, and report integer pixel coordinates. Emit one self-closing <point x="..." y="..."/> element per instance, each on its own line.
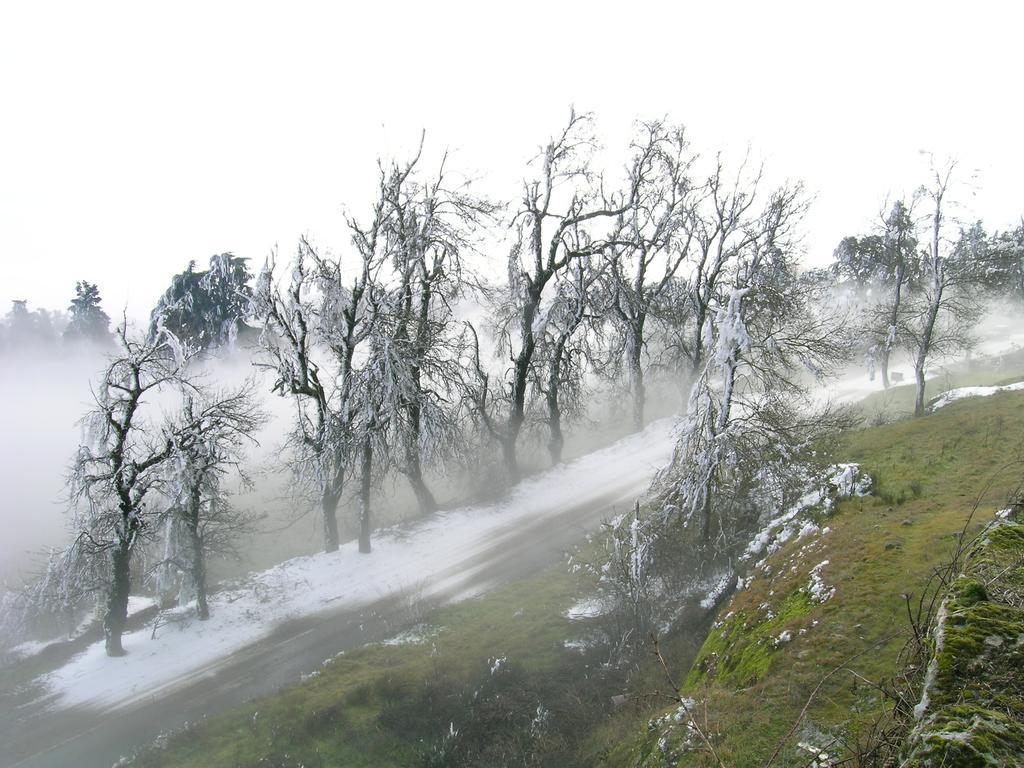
<point x="562" y="347"/>
<point x="311" y="331"/>
<point x="432" y="224"/>
<point x="721" y="229"/>
<point x="116" y="472"/>
<point x="655" y="238"/>
<point x="886" y="267"/>
<point x="210" y="434"/>
<point x="748" y="409"/>
<point x="565" y="214"/>
<point x="945" y="309"/>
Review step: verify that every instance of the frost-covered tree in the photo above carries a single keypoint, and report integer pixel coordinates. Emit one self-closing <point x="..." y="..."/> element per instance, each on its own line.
<point x="432" y="222"/>
<point x="116" y="471"/>
<point x="563" y="348"/>
<point x="749" y="415"/>
<point x="87" y="322"/>
<point x="565" y="214"/>
<point x="646" y="261"/>
<point x="210" y="434"/>
<point x="311" y="329"/>
<point x="722" y="226"/>
<point x="884" y="267"/>
<point x="206" y="308"/>
<point x="1007" y="259"/>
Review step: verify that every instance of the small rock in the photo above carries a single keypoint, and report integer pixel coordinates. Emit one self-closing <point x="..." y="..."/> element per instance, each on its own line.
<point x="907" y="521"/>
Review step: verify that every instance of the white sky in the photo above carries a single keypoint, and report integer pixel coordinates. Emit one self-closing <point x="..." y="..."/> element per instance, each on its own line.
<point x="137" y="136"/>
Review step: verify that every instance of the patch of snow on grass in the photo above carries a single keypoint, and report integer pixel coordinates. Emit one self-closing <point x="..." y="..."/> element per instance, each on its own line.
<point x="818" y="589"/>
<point x="841" y="481"/>
<point x="417" y="635"/>
<point x="589" y="608"/>
<point x="964" y="392"/>
<point x="716" y="592"/>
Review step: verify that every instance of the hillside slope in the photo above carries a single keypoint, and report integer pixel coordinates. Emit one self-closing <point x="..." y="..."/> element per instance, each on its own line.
<point x="828" y="615"/>
<point x="506" y="680"/>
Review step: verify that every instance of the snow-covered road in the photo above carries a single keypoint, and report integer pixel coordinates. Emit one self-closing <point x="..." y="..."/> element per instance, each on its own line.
<point x="433" y="557"/>
<point x="284" y="622"/>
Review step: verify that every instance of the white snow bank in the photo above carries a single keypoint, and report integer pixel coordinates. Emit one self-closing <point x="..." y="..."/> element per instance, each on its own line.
<point x="437" y="553"/>
<point x="963" y="392"/>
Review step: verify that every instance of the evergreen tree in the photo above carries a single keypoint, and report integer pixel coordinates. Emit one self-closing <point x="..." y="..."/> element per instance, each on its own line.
<point x="205" y="309"/>
<point x="88" y="321"/>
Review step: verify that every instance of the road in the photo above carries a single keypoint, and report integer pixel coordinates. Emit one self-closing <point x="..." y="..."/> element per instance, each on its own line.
<point x="37" y="735"/>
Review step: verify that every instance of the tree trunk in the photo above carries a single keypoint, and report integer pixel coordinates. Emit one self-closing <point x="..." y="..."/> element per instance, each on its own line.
<point x="636" y="376"/>
<point x="199" y="578"/>
<point x="556" y="441"/>
<point x="117" y="599"/>
<point x="517" y="415"/>
<point x="424" y="498"/>
<point x="894" y="317"/>
<point x="329" y="509"/>
<point x="698" y="339"/>
<point x="508" y="455"/>
<point x="919" y="397"/>
<point x="414" y="468"/>
<point x="520" y="379"/>
<point x="198" y="556"/>
<point x="364" y="496"/>
<point x="922" y="353"/>
<point x="199" y="574"/>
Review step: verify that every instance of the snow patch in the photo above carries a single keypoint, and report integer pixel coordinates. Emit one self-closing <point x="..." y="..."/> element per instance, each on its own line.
<point x="841" y="481"/>
<point x="719" y="589"/>
<point x="589" y="608"/>
<point x="417" y="635"/>
<point x="964" y="392"/>
<point x="817" y="588"/>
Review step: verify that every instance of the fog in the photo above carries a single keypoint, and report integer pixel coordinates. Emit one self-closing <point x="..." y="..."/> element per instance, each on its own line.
<point x="46" y="393"/>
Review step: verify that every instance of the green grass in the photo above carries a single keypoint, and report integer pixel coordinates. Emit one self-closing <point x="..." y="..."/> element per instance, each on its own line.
<point x="932" y="471"/>
<point x="341" y="716"/>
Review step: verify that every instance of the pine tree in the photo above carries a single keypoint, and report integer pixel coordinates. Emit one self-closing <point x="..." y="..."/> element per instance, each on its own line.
<point x="206" y="309"/>
<point x="88" y="322"/>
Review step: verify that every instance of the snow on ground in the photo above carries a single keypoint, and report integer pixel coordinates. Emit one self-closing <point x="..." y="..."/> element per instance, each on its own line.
<point x="136" y="604"/>
<point x="417" y="635"/>
<point x="589" y="608"/>
<point x="963" y="392"/>
<point x="429" y="553"/>
<point x="844" y="480"/>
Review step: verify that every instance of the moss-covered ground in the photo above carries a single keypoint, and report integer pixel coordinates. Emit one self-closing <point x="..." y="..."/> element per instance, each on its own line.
<point x="975" y="698"/>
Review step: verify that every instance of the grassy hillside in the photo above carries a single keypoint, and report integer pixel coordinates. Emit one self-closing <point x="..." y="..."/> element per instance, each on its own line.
<point x="750" y="681"/>
<point x="491" y="681"/>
